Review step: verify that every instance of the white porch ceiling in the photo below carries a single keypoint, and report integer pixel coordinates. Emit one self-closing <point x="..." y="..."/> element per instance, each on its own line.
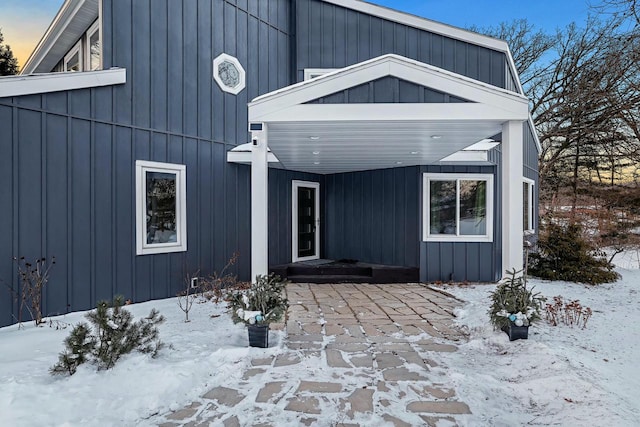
<point x="334" y="147"/>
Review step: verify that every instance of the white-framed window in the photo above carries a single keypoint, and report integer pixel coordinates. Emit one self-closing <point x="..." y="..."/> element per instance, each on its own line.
<point x="229" y="73"/>
<point x="161" y="203"/>
<point x="528" y="205"/>
<point x="457" y="207"/>
<point x="73" y="59"/>
<point x="312" y="73"/>
<point x="93" y="47"/>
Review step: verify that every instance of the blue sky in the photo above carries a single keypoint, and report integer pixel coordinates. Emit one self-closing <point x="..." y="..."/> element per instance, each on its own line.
<point x="23" y="22"/>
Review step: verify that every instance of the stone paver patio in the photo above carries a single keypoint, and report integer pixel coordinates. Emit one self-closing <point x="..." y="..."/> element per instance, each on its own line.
<point x="355" y="355"/>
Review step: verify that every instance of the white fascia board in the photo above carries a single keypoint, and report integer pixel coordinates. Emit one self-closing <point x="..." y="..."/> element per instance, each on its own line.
<point x="386" y="65"/>
<point x="392" y="112"/>
<point x="244" y="157"/>
<point x="55" y="82"/>
<point x="535" y="135"/>
<point x="422" y="23"/>
<point x="466" y="156"/>
<point x="65" y="15"/>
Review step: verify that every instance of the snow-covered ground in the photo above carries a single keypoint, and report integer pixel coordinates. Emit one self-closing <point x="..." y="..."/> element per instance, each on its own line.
<point x="138" y="387"/>
<point x="559" y="376"/>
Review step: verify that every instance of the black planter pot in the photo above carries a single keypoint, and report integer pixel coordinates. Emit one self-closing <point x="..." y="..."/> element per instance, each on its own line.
<point x="258" y="335"/>
<point x="516" y="332"/>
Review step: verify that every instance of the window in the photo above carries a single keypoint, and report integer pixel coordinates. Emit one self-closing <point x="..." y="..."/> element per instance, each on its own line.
<point x="229" y="73"/>
<point x="527" y="205"/>
<point x="458" y="207"/>
<point x="93" y="48"/>
<point x="73" y="59"/>
<point x="312" y="73"/>
<point x="160" y="208"/>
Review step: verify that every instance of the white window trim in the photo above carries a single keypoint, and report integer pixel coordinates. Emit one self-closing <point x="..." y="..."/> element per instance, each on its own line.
<point x="427" y="236"/>
<point x="530" y="229"/>
<point x="294" y="222"/>
<point x="242" y="74"/>
<point x="180" y="245"/>
<point x="90" y="32"/>
<point x="77" y="48"/>
<point x="312" y="73"/>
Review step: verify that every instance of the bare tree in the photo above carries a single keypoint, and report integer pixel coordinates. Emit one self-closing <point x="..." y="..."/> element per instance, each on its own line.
<point x="584" y="87"/>
<point x="625" y="8"/>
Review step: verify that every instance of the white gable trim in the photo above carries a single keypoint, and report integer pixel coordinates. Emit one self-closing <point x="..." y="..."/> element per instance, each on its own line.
<point x="55" y="82"/>
<point x="422" y="23"/>
<point x="267" y="107"/>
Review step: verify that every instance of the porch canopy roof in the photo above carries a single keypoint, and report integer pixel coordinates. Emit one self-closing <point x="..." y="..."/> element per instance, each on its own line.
<point x="307" y="130"/>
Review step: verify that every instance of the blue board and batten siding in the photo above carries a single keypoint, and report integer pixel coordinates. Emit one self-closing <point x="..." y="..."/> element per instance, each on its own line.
<point x="67" y="158"/>
<point x="388" y="90"/>
<point x="331" y="36"/>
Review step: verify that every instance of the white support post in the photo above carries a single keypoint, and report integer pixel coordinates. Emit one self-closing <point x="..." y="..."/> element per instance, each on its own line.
<point x="259" y="203"/>
<point x="512" y="203"/>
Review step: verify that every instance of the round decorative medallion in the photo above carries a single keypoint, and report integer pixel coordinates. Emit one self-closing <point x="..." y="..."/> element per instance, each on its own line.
<point x="228" y="73"/>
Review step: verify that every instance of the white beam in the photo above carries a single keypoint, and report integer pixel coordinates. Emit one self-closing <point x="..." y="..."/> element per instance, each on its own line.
<point x="55" y="82"/>
<point x="392" y="112"/>
<point x="512" y="203"/>
<point x="259" y="203"/>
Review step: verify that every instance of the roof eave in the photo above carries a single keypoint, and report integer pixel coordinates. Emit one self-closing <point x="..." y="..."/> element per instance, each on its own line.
<point x="50" y="49"/>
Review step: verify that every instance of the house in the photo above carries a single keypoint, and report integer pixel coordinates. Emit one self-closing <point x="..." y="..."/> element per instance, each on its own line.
<point x="148" y="140"/>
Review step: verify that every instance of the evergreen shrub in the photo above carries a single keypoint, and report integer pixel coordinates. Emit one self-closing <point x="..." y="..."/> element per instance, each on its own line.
<point x="112" y="334"/>
<point x="564" y="254"/>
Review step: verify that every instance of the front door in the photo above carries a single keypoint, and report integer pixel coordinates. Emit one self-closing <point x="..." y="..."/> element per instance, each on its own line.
<point x="306" y="221"/>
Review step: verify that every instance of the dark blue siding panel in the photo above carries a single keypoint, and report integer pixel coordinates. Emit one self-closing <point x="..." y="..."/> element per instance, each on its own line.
<point x="368" y="216"/>
<point x="175" y="77"/>
<point x="80" y="227"/>
<point x="6" y="212"/>
<point x="387" y="90"/>
<point x="29" y="180"/>
<point x="102" y="227"/>
<point x="330" y="36"/>
<point x="57" y="212"/>
<point x="158" y="60"/>
<point x="140" y="70"/>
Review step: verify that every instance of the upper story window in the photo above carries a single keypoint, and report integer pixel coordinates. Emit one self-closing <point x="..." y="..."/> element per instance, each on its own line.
<point x="93" y="47"/>
<point x="312" y="73"/>
<point x="73" y="59"/>
<point x="458" y="207"/>
<point x="86" y="55"/>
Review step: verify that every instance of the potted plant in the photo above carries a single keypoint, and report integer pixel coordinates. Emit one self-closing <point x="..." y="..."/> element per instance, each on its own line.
<point x="514" y="307"/>
<point x="264" y="302"/>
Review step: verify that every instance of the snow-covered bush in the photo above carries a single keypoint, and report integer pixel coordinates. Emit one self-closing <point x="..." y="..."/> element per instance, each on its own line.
<point x="112" y="334"/>
<point x="264" y="302"/>
<point x="513" y="302"/>
<point x="563" y="254"/>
